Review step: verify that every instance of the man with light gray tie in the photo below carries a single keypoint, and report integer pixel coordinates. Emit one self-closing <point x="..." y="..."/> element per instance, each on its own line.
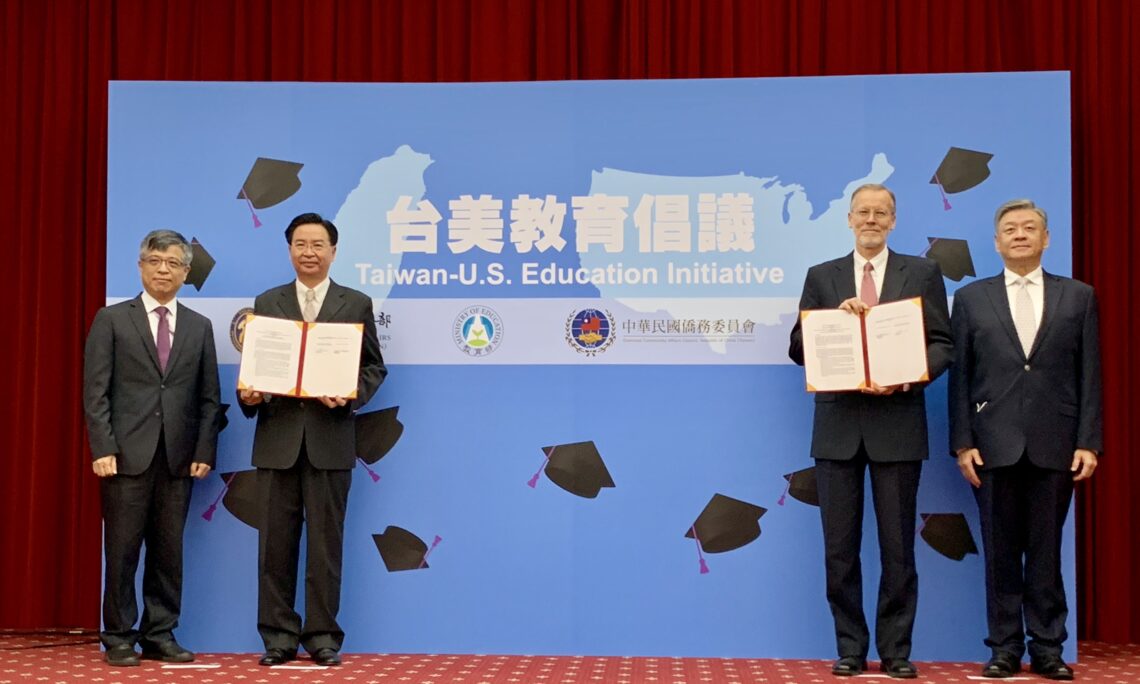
<point x="150" y="394"/>
<point x="1025" y="424"/>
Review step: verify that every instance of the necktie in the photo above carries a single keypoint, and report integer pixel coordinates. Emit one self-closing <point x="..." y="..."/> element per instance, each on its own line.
<point x="310" y="312"/>
<point x="867" y="289"/>
<point x="162" y="340"/>
<point x="1023" y="318"/>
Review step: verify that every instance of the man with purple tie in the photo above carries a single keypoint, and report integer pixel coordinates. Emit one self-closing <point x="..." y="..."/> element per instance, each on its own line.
<point x="150" y="394"/>
<point x="881" y="430"/>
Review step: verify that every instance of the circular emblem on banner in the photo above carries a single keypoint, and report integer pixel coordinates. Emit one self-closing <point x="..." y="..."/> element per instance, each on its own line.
<point x="478" y="330"/>
<point x="590" y="331"/>
<point x="237" y="327"/>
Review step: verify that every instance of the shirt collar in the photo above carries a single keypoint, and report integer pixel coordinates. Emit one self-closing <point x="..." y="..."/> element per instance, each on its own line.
<point x="150" y="303"/>
<point x="321" y="289"/>
<point x="1035" y="277"/>
<point x="878" y="262"/>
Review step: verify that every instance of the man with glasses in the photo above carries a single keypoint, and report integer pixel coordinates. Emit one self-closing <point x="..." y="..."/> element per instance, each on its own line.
<point x="881" y="430"/>
<point x="150" y="394"/>
<point x="304" y="451"/>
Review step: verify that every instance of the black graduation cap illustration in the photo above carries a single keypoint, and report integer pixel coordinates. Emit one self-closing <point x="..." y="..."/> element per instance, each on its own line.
<point x="948" y="534"/>
<point x="960" y="170"/>
<point x="223" y="421"/>
<point x="239" y="496"/>
<point x="953" y="257"/>
<point x="270" y="182"/>
<point x="376" y="433"/>
<point x="802" y="487"/>
<point x="402" y="550"/>
<point x="200" y="266"/>
<point x="725" y="524"/>
<point x="578" y="468"/>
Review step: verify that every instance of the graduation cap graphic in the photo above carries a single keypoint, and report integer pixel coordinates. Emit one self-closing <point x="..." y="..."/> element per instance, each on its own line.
<point x="724" y="524"/>
<point x="200" y="266"/>
<point x="960" y="170"/>
<point x="948" y="534"/>
<point x="578" y="468"/>
<point x="270" y="182"/>
<point x="953" y="257"/>
<point x="802" y="487"/>
<point x="376" y="433"/>
<point x="402" y="550"/>
<point x="239" y="496"/>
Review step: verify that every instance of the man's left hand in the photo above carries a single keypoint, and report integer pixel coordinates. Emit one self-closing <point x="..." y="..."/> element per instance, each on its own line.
<point x="199" y="470"/>
<point x="1084" y="463"/>
<point x="333" y="402"/>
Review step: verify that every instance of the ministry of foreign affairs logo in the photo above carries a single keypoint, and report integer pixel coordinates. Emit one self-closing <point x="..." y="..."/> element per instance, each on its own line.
<point x="237" y="327"/>
<point x="477" y="331"/>
<point x="590" y="331"/>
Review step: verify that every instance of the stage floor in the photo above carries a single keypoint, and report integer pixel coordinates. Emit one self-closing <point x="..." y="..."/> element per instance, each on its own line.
<point x="76" y="658"/>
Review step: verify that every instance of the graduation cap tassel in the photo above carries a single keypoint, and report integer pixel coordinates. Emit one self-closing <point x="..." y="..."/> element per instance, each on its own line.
<point x="784" y="496"/>
<point x="371" y="473"/>
<point x="256" y="221"/>
<point x="945" y="200"/>
<point x="533" y="482"/>
<point x="435" y="542"/>
<point x="208" y="514"/>
<point x="700" y="556"/>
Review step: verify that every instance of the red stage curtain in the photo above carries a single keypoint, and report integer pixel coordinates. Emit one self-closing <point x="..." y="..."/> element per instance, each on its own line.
<point x="57" y="56"/>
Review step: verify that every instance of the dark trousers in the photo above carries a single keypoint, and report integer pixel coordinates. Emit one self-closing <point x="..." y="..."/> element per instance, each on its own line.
<point x="147" y="508"/>
<point x="1022" y="510"/>
<point x="894" y="487"/>
<point x="291" y="498"/>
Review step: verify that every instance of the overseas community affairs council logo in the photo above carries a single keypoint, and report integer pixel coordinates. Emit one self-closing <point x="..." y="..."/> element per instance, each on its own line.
<point x="590" y="331"/>
<point x="478" y="330"/>
<point x="237" y="327"/>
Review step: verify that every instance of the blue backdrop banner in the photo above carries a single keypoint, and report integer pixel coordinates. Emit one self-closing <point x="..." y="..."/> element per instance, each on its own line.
<point x="583" y="292"/>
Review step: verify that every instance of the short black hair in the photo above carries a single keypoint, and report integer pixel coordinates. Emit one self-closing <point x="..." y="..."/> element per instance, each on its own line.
<point x="311" y="217"/>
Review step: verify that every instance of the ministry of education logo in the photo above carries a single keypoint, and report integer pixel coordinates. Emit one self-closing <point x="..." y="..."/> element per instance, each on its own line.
<point x="477" y="331"/>
<point x="590" y="331"/>
<point x="237" y="327"/>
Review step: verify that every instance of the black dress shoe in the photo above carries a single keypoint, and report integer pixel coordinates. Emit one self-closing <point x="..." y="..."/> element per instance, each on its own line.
<point x="898" y="668"/>
<point x="276" y="656"/>
<point x="167" y="651"/>
<point x="849" y="666"/>
<point x="1051" y="667"/>
<point x="326" y="656"/>
<point x="122" y="655"/>
<point x="1000" y="666"/>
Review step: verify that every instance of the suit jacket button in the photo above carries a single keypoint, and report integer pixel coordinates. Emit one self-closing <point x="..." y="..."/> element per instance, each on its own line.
<point x="1027" y="366"/>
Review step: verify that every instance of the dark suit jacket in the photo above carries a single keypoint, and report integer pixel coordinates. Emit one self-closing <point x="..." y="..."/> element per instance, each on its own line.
<point x="1004" y="404"/>
<point x="892" y="428"/>
<point x="129" y="402"/>
<point x="283" y="423"/>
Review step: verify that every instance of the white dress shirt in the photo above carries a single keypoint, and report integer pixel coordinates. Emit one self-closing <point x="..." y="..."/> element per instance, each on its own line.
<point x="1036" y="289"/>
<point x="321" y="290"/>
<point x="879" y="268"/>
<point x="150" y="303"/>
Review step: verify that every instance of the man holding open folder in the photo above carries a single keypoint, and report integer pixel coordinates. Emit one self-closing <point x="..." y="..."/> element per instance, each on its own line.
<point x="881" y="429"/>
<point x="304" y="450"/>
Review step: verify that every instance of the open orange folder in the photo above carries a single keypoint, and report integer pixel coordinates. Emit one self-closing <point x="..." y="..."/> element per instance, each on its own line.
<point x="299" y="359"/>
<point x="844" y="353"/>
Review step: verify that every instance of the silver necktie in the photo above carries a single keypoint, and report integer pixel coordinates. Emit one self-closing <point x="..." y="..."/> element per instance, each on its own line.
<point x="310" y="312"/>
<point x="1023" y="319"/>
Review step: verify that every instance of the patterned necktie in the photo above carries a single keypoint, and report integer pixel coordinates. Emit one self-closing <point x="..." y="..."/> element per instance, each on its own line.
<point x="162" y="339"/>
<point x="310" y="312"/>
<point x="1023" y="319"/>
<point x="867" y="289"/>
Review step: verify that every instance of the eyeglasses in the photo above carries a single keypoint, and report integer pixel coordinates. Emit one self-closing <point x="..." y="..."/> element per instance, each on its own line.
<point x="315" y="247"/>
<point x="879" y="214"/>
<point x="171" y="263"/>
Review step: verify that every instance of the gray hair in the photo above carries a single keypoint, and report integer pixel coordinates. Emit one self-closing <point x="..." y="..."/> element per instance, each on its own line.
<point x="1017" y="204"/>
<point x="162" y="240"/>
<point x="875" y="187"/>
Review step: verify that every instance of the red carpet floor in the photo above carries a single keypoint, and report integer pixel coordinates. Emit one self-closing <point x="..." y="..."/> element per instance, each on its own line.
<point x="76" y="659"/>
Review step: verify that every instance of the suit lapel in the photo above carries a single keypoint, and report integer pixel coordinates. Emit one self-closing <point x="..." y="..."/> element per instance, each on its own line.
<point x="844" y="279"/>
<point x="287" y="302"/>
<point x="334" y="302"/>
<point x="181" y="332"/>
<point x="894" y="279"/>
<point x="1052" y="287"/>
<point x="999" y="299"/>
<point x="137" y="314"/>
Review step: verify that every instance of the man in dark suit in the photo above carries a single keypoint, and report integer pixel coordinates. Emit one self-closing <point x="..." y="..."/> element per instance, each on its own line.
<point x="304" y="451"/>
<point x="1025" y="423"/>
<point x="150" y="393"/>
<point x="881" y="429"/>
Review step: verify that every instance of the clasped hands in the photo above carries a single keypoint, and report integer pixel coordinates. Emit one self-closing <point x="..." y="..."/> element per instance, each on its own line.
<point x="253" y="398"/>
